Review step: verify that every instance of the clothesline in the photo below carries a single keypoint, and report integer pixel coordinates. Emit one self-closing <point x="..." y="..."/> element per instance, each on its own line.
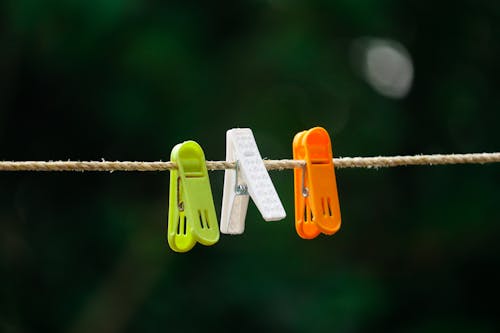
<point x="342" y="162"/>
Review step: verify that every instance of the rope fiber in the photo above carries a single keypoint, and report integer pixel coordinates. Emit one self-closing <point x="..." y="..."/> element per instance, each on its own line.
<point x="340" y="163"/>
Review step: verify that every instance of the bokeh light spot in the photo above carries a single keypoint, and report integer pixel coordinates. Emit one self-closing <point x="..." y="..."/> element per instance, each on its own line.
<point x="386" y="65"/>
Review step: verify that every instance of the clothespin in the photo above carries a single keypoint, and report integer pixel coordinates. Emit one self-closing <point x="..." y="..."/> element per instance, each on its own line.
<point x="191" y="215"/>
<point x="249" y="178"/>
<point x="317" y="207"/>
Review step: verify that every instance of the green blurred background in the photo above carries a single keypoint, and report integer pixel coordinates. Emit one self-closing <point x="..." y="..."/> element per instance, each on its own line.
<point x="129" y="79"/>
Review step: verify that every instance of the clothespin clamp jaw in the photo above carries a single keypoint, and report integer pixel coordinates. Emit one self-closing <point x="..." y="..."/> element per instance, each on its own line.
<point x="304" y="224"/>
<point x="249" y="179"/>
<point x="192" y="216"/>
<point x="317" y="207"/>
<point x="179" y="235"/>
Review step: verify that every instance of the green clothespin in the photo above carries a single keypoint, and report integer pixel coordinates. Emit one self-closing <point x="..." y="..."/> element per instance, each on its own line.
<point x="191" y="216"/>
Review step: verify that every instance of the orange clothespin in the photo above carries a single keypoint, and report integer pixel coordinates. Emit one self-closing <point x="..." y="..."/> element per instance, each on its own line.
<point x="317" y="207"/>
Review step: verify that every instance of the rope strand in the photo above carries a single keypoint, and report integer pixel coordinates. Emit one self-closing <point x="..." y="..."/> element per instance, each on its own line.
<point x="340" y="163"/>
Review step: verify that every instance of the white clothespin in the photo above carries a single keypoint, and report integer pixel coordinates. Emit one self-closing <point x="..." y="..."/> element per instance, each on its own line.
<point x="249" y="178"/>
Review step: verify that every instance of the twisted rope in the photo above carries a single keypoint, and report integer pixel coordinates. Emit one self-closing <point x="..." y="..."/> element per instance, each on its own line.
<point x="340" y="163"/>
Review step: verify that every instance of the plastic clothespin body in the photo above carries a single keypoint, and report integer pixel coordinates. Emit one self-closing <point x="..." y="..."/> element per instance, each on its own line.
<point x="192" y="216"/>
<point x="317" y="207"/>
<point x="249" y="179"/>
